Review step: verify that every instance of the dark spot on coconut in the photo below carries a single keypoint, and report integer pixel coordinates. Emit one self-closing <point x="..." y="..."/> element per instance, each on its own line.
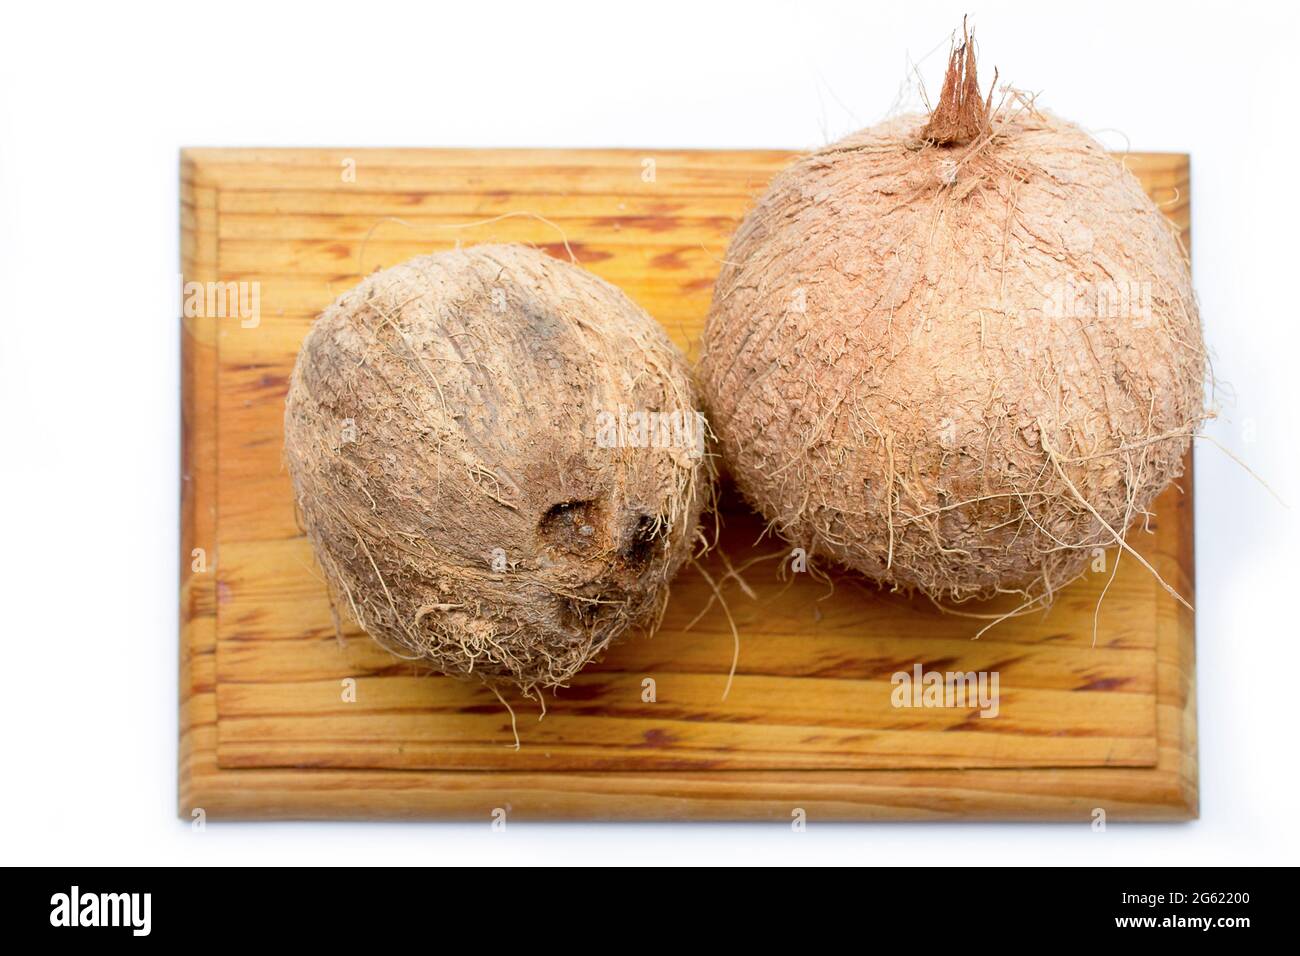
<point x="571" y="525"/>
<point x="639" y="543"/>
<point x="574" y="615"/>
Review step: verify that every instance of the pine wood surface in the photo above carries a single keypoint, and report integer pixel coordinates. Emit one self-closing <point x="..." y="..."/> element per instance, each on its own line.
<point x="808" y="722"/>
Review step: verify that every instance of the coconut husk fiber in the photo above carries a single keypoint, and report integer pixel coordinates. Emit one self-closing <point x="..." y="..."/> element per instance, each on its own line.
<point x="920" y="363"/>
<point x="441" y="434"/>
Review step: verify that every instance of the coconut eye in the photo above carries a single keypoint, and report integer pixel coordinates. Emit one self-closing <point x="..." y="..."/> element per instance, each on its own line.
<point x="571" y="525"/>
<point x="640" y="540"/>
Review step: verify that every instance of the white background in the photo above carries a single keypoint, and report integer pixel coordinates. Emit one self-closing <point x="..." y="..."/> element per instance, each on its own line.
<point x="95" y="101"/>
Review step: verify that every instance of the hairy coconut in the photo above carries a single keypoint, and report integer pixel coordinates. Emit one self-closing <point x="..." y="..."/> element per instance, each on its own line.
<point x="957" y="352"/>
<point x="448" y="432"/>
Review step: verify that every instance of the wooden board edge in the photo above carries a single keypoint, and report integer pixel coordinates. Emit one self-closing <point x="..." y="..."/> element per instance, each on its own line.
<point x="198" y="473"/>
<point x="1187" y="638"/>
<point x="1182" y="643"/>
<point x="775" y="796"/>
<point x="1176" y="641"/>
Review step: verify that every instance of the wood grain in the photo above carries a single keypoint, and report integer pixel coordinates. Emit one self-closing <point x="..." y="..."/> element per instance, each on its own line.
<point x="808" y="721"/>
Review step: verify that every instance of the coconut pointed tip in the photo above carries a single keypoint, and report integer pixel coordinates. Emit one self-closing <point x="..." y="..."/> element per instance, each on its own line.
<point x="961" y="114"/>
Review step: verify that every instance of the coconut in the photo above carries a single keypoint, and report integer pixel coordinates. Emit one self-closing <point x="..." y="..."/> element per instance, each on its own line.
<point x="468" y="443"/>
<point x="957" y="352"/>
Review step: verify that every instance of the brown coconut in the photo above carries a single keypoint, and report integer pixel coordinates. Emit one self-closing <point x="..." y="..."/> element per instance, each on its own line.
<point x="442" y="436"/>
<point x="920" y="361"/>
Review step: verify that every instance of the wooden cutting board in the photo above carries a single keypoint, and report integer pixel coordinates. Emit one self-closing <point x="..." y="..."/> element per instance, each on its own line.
<point x="281" y="717"/>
